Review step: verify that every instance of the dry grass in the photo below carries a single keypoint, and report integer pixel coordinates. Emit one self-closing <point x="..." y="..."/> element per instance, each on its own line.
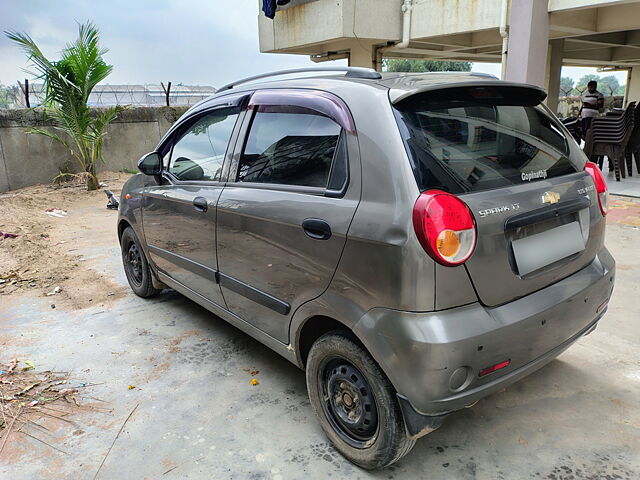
<point x="28" y="397"/>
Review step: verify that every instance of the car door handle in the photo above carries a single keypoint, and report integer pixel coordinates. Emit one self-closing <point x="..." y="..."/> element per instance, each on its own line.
<point x="316" y="228"/>
<point x="200" y="204"/>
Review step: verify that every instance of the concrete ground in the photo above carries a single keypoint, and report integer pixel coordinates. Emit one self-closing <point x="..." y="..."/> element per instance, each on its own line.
<point x="198" y="417"/>
<point x="629" y="186"/>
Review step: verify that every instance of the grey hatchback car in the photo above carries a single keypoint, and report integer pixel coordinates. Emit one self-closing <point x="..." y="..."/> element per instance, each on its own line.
<point x="414" y="242"/>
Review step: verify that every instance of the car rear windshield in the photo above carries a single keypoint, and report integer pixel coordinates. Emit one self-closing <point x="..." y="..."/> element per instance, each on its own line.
<point x="481" y="138"/>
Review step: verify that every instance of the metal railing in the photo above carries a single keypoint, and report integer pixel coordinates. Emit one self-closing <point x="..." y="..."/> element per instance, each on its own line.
<point x="32" y="95"/>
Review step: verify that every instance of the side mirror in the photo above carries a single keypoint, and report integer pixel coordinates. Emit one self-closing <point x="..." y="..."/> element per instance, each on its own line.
<point x="150" y="164"/>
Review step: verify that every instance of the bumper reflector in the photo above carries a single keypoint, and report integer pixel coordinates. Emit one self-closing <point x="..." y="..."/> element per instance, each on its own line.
<point x="602" y="305"/>
<point x="493" y="368"/>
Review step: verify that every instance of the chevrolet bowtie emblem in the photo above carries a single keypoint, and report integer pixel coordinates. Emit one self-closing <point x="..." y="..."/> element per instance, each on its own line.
<point x="550" y="197"/>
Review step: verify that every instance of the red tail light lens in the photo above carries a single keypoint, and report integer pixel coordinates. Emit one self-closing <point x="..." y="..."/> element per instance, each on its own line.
<point x="445" y="227"/>
<point x="601" y="186"/>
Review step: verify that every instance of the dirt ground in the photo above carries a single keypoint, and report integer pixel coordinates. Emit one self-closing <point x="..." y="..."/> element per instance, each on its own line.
<point x="165" y="387"/>
<point x="45" y="255"/>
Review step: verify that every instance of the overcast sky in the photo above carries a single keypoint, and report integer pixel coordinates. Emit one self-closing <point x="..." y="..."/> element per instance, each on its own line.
<point x="195" y="42"/>
<point x="203" y="42"/>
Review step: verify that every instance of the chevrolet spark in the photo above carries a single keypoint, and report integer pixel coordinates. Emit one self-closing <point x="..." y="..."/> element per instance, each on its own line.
<point x="414" y="242"/>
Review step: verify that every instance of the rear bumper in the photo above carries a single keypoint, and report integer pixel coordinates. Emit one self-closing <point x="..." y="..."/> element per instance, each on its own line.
<point x="433" y="359"/>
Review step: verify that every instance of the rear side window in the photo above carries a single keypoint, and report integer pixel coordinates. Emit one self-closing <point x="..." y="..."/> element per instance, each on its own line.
<point x="481" y="138"/>
<point x="289" y="146"/>
<point x="199" y="153"/>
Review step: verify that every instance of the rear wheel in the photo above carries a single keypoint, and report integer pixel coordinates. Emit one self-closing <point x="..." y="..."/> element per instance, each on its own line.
<point x="355" y="402"/>
<point x="136" y="266"/>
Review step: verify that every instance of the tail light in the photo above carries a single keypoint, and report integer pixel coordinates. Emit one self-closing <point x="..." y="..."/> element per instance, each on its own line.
<point x="445" y="227"/>
<point x="601" y="186"/>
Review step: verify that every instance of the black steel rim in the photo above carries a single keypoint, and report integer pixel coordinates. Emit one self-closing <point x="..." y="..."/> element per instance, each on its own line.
<point x="134" y="263"/>
<point x="348" y="402"/>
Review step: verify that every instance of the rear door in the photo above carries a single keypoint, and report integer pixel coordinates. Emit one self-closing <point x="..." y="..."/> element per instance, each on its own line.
<point x="522" y="176"/>
<point x="284" y="214"/>
<point x="179" y="215"/>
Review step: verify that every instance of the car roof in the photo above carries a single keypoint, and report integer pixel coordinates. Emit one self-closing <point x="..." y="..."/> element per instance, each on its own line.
<point x="405" y="85"/>
<point x="399" y="84"/>
<point x="410" y="78"/>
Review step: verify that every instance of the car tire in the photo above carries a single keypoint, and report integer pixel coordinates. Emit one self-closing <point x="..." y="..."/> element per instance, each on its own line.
<point x="136" y="266"/>
<point x="355" y="402"/>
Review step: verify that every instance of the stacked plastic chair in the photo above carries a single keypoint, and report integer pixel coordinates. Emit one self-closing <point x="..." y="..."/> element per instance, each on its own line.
<point x="609" y="136"/>
<point x="573" y="125"/>
<point x="633" y="147"/>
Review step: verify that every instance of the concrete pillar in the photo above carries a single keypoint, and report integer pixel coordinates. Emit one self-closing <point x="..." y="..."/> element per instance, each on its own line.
<point x="633" y="85"/>
<point x="554" y="72"/>
<point x="361" y="55"/>
<point x="528" y="42"/>
<point x="625" y="100"/>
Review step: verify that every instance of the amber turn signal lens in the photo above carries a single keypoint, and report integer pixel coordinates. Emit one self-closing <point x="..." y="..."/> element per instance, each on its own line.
<point x="127" y="196"/>
<point x="448" y="243"/>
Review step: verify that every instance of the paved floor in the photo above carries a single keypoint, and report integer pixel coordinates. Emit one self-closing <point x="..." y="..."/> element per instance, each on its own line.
<point x="629" y="186"/>
<point x="198" y="417"/>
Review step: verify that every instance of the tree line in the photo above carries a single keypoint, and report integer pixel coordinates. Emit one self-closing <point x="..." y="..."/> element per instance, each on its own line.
<point x="607" y="85"/>
<point x="7" y="96"/>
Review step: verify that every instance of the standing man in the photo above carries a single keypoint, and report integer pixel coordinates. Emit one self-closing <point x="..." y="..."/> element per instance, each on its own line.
<point x="592" y="102"/>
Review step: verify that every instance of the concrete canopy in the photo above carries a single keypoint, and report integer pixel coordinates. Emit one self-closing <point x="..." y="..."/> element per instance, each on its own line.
<point x="602" y="33"/>
<point x="542" y="35"/>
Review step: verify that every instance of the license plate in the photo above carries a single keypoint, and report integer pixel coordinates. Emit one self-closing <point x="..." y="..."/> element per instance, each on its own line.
<point x="541" y="249"/>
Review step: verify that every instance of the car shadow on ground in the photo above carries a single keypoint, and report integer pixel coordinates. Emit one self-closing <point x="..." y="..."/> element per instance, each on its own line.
<point x="513" y="430"/>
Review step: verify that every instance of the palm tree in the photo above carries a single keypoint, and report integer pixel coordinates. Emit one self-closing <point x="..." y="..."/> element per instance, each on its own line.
<point x="67" y="85"/>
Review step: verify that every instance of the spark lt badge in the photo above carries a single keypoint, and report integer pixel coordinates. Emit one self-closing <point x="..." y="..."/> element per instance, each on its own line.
<point x="501" y="209"/>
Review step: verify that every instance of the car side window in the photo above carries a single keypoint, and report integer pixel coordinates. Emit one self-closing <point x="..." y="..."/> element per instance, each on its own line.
<point x="199" y="153"/>
<point x="289" y="146"/>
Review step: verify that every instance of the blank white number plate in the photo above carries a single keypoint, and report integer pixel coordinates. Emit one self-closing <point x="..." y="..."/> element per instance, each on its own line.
<point x="544" y="248"/>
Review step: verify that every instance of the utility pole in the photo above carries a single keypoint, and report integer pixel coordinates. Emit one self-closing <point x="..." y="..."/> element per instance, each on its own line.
<point x="166" y="90"/>
<point x="25" y="91"/>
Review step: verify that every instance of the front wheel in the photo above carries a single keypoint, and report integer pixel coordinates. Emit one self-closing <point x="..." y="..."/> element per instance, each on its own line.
<point x="355" y="402"/>
<point x="136" y="266"/>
